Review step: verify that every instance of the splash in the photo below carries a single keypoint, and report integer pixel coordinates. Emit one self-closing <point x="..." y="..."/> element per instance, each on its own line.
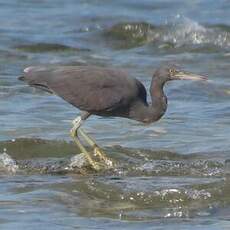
<point x="7" y="162"/>
<point x="187" y="32"/>
<point x="177" y="33"/>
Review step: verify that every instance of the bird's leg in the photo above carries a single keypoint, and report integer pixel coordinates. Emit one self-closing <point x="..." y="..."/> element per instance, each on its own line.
<point x="77" y="122"/>
<point x="74" y="134"/>
<point x="76" y="131"/>
<point x="96" y="149"/>
<point x="85" y="152"/>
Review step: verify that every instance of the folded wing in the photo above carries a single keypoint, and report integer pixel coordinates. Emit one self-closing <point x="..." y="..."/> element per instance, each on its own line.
<point x="89" y="88"/>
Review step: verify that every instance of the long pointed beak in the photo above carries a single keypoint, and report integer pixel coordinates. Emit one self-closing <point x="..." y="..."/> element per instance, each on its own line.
<point x="182" y="75"/>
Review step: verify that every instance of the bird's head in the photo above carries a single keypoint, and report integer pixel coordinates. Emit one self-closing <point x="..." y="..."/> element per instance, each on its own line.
<point x="172" y="72"/>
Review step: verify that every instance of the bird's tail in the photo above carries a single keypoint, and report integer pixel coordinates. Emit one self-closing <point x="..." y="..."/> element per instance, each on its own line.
<point x="21" y="78"/>
<point x="33" y="79"/>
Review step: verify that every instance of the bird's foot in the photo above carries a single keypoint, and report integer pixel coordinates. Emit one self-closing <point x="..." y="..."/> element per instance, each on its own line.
<point x="97" y="166"/>
<point x="100" y="153"/>
<point x="97" y="159"/>
<point x="94" y="163"/>
<point x="89" y="156"/>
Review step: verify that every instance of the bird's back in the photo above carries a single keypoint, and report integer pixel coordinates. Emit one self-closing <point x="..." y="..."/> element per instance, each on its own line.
<point x="90" y="88"/>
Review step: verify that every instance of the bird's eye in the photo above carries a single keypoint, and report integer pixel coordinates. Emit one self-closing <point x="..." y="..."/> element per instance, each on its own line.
<point x="172" y="71"/>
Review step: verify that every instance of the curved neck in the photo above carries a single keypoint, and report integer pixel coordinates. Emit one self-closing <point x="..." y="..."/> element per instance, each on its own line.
<point x="159" y="99"/>
<point x="153" y="112"/>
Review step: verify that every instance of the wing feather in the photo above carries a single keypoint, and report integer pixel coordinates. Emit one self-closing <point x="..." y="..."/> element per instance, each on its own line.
<point x="88" y="88"/>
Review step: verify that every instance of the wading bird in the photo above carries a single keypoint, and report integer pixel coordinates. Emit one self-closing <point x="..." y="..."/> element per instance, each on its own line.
<point x="105" y="92"/>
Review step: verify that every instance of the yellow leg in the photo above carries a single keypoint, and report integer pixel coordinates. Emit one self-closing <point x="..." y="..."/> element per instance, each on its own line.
<point x="96" y="149"/>
<point x="74" y="135"/>
<point x="75" y="131"/>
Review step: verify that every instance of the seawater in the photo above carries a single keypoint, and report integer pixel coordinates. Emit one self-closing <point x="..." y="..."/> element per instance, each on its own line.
<point x="171" y="174"/>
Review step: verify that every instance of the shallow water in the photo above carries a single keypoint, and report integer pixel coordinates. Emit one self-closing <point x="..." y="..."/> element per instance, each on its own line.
<point x="169" y="175"/>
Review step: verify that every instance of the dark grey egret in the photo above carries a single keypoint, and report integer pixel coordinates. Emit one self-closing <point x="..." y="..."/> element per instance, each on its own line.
<point x="105" y="92"/>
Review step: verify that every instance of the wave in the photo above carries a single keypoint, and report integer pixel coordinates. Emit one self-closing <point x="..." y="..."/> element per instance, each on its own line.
<point x="47" y="47"/>
<point x="175" y="34"/>
<point x="141" y="162"/>
<point x="145" y="185"/>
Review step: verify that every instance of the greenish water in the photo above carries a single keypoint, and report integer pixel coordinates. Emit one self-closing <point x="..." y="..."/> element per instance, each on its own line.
<point x="173" y="174"/>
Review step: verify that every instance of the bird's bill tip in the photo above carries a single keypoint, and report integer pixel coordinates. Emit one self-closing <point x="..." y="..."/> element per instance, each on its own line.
<point x="181" y="75"/>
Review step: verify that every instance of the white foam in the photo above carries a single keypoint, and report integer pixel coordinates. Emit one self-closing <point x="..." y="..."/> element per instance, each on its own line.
<point x="7" y="162"/>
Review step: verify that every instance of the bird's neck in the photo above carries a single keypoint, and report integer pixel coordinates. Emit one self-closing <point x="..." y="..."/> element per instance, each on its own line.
<point x="159" y="99"/>
<point x="153" y="112"/>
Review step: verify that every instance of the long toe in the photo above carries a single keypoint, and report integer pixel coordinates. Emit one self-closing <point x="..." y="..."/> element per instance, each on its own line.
<point x="100" y="153"/>
<point x="97" y="166"/>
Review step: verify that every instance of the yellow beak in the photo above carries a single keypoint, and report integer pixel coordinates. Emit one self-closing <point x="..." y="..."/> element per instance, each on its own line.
<point x="182" y="75"/>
